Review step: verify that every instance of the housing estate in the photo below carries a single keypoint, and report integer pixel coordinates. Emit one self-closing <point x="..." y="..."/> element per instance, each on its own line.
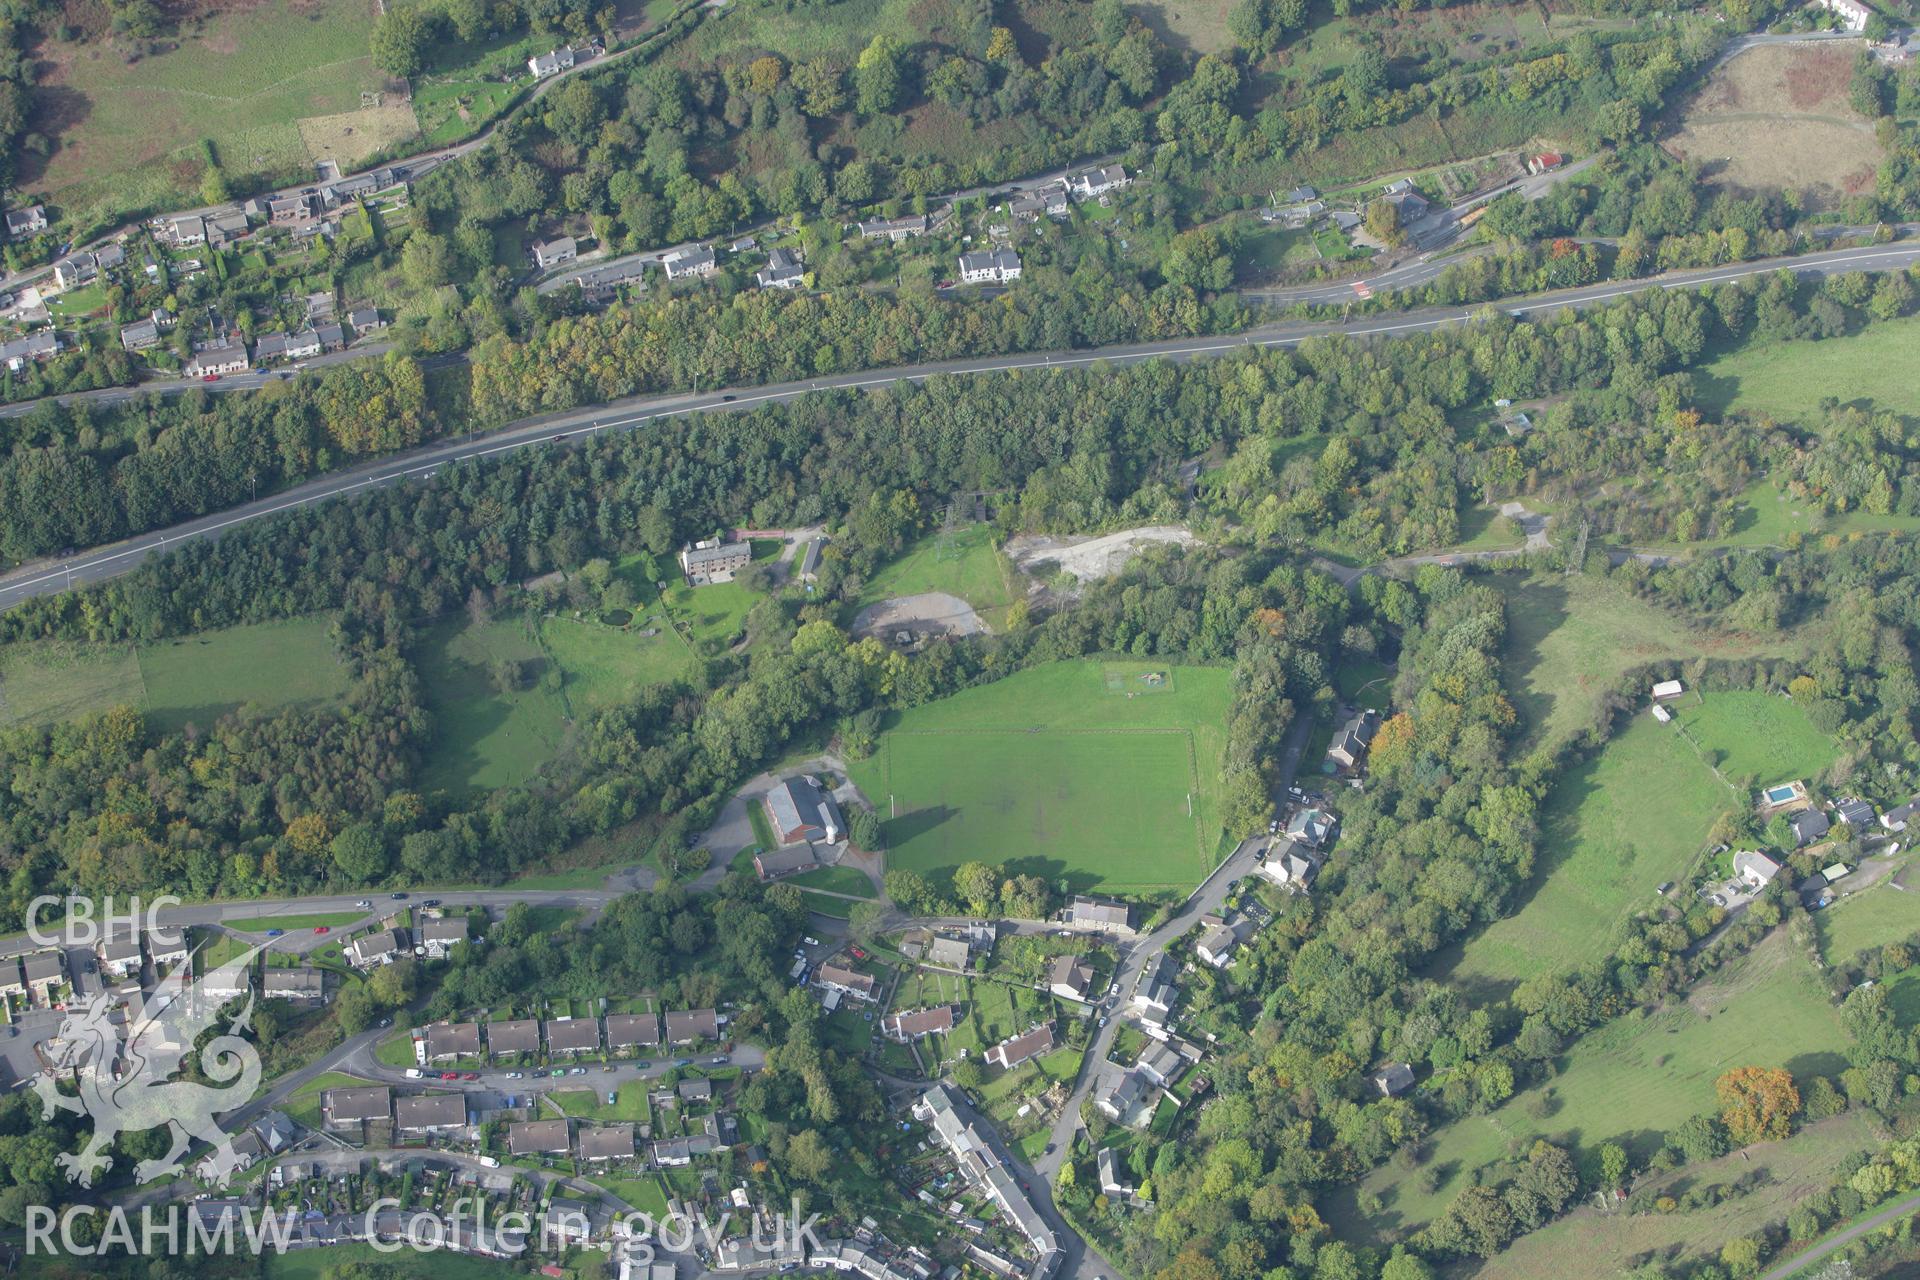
<point x="372" y="950"/>
<point x="982" y="1165"/>
<point x="218" y="361"/>
<point x="427" y="1113"/>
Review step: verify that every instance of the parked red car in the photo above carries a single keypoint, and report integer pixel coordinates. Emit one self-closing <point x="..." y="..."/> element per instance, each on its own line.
<point x="323" y="928"/>
<point x="212" y="377"/>
<point x="449" y="1075"/>
<point x="471" y="1075"/>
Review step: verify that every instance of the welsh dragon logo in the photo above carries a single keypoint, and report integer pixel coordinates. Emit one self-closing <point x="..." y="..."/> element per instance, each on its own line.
<point x="122" y="1060"/>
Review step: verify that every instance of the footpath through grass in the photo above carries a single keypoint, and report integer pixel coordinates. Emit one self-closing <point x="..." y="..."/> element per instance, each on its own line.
<point x="1044" y="770"/>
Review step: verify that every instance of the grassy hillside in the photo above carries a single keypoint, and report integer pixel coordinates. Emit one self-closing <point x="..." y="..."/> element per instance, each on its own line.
<point x="1630" y="1081"/>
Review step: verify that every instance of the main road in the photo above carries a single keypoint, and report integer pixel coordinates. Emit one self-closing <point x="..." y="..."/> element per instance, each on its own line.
<point x="102" y="563"/>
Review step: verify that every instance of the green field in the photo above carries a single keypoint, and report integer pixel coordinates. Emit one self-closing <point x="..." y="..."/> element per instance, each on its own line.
<point x="835" y="880"/>
<point x="1788" y="380"/>
<point x="484" y="738"/>
<point x="968" y="566"/>
<point x="603" y="665"/>
<point x="1593" y="1246"/>
<point x="268" y="665"/>
<point x="1600" y="856"/>
<point x="1632" y="1080"/>
<point x="1570" y="638"/>
<point x="1042" y="769"/>
<point x="437" y="1264"/>
<point x="130" y="130"/>
<point x="1758" y="735"/>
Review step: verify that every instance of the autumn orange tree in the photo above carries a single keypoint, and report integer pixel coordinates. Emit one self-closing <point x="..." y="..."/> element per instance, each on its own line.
<point x="1759" y="1102"/>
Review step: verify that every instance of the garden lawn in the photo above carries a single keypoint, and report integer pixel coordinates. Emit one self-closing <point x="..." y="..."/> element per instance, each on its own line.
<point x="1612" y="830"/>
<point x="1630" y="1081"/>
<point x="484" y="738"/>
<point x="592" y="1104"/>
<point x="1756" y="735"/>
<point x="1074" y="770"/>
<point x="1570" y="638"/>
<point x="968" y="566"/>
<point x="643" y="1193"/>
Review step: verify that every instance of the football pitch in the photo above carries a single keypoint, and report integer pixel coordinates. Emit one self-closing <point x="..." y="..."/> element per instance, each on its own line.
<point x="1103" y="775"/>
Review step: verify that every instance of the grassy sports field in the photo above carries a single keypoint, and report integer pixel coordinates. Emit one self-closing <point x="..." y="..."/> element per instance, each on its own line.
<point x="968" y="566"/>
<point x="130" y="131"/>
<point x="1042" y="769"/>
<point x="1631" y="1080"/>
<point x="1568" y="639"/>
<point x="197" y="679"/>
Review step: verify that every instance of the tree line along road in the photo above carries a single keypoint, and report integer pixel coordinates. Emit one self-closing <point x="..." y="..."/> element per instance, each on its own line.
<point x="99" y="564"/>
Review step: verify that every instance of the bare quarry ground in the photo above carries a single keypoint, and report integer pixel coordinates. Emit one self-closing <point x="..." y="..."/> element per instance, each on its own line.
<point x="1777" y="118"/>
<point x="1089" y="559"/>
<point x="932" y="613"/>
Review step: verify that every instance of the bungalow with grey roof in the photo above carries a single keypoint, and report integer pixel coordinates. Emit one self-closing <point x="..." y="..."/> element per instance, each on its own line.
<point x="632" y="1030"/>
<point x="298" y="986"/>
<point x="607" y="1142"/>
<point x="685" y="1026"/>
<point x="351" y="1107"/>
<point x="555" y="252"/>
<point x="430" y="1113"/>
<point x="1014" y="1050"/>
<point x="452" y="1040"/>
<point x="905" y="1025"/>
<point x="573" y="1035"/>
<point x="371" y="951"/>
<point x="440" y="936"/>
<point x="512" y="1035"/>
<point x="538" y="1138"/>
